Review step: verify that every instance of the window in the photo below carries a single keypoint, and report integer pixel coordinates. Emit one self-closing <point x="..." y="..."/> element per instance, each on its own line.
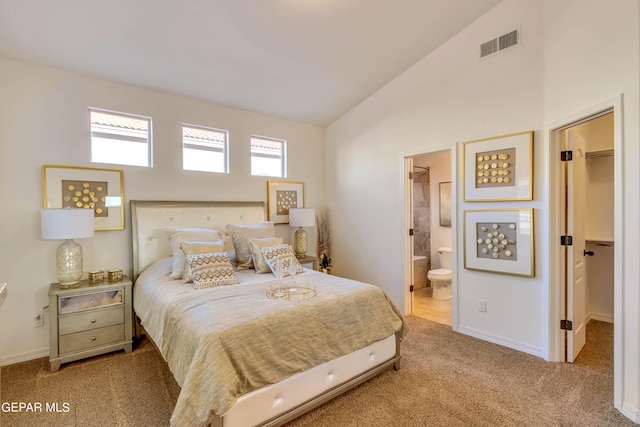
<point x="268" y="156"/>
<point x="204" y="149"/>
<point x="120" y="138"/>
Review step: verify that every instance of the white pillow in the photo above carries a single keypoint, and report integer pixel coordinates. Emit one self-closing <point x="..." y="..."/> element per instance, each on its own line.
<point x="192" y="248"/>
<point x="259" y="262"/>
<point x="210" y="270"/>
<point x="177" y="235"/>
<point x="283" y="254"/>
<point x="240" y="235"/>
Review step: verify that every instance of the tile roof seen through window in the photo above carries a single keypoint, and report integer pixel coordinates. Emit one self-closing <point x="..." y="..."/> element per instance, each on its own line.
<point x="122" y="122"/>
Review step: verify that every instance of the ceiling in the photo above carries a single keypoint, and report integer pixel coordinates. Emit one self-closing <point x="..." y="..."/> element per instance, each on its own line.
<point x="304" y="60"/>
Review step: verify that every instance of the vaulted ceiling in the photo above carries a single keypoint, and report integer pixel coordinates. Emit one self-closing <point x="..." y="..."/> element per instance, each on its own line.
<point x="305" y="60"/>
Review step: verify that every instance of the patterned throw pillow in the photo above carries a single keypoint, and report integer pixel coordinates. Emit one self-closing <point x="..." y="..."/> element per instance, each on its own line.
<point x="177" y="235"/>
<point x="209" y="270"/>
<point x="192" y="248"/>
<point x="281" y="254"/>
<point x="259" y="262"/>
<point x="240" y="234"/>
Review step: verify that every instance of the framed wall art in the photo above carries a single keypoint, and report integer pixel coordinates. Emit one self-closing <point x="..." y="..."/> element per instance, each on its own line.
<point x="86" y="188"/>
<point x="282" y="196"/>
<point x="445" y="204"/>
<point x="499" y="241"/>
<point x="499" y="168"/>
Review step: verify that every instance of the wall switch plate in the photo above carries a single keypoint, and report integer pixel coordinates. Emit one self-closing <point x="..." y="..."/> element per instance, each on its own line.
<point x="38" y="320"/>
<point x="482" y="305"/>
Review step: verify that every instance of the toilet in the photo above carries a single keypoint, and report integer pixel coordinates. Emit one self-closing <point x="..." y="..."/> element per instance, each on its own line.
<point x="441" y="278"/>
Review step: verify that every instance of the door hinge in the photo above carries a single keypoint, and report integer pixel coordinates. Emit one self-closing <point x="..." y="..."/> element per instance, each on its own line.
<point x="567" y="325"/>
<point x="411" y="288"/>
<point x="566" y="240"/>
<point x="566" y="156"/>
<point x="411" y="232"/>
<point x="410" y="175"/>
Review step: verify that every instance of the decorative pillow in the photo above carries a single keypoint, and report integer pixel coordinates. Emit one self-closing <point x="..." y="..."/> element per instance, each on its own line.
<point x="178" y="235"/>
<point x="240" y="235"/>
<point x="259" y="263"/>
<point x="192" y="248"/>
<point x="281" y="254"/>
<point x="210" y="270"/>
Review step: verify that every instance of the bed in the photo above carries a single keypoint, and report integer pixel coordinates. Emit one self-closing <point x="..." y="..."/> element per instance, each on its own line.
<point x="240" y="357"/>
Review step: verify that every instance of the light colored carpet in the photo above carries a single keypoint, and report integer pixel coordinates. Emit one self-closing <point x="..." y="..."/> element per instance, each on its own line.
<point x="447" y="379"/>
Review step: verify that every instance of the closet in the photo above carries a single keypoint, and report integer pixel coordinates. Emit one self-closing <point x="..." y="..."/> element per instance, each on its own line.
<point x="599" y="219"/>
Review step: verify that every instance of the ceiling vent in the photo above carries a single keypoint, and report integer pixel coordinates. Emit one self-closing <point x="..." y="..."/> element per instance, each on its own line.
<point x="499" y="44"/>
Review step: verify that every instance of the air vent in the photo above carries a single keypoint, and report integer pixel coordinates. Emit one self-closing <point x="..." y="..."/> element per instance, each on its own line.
<point x="501" y="43"/>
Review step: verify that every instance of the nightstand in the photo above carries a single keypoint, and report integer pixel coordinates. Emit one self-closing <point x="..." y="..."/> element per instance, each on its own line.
<point x="88" y="320"/>
<point x="309" y="262"/>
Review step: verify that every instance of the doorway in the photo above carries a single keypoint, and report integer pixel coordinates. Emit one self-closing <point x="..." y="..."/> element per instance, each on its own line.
<point x="430" y="210"/>
<point x="588" y="161"/>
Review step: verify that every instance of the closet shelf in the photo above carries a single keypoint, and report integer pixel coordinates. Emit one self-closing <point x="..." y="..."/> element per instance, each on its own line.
<point x="599" y="242"/>
<point x="599" y="153"/>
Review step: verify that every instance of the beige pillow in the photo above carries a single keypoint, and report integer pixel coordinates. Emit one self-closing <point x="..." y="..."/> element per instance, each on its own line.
<point x="240" y="234"/>
<point x="210" y="270"/>
<point x="192" y="248"/>
<point x="177" y="235"/>
<point x="259" y="263"/>
<point x="283" y="254"/>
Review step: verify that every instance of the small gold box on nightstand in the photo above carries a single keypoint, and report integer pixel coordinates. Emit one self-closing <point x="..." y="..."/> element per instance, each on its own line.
<point x="96" y="276"/>
<point x="115" y="275"/>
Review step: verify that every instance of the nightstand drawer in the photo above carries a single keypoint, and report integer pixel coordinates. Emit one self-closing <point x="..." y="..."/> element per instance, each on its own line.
<point x="89" y="339"/>
<point x="94" y="319"/>
<point x="81" y="302"/>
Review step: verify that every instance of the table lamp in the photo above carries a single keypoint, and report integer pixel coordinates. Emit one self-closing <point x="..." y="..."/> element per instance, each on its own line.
<point x="67" y="224"/>
<point x="301" y="217"/>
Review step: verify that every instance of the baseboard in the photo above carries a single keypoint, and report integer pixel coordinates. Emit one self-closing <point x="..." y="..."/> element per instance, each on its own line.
<point x="516" y="345"/>
<point x="632" y="413"/>
<point x="24" y="357"/>
<point x="601" y="317"/>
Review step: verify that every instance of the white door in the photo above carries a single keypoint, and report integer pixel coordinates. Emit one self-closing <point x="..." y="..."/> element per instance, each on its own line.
<point x="408" y="191"/>
<point x="575" y="226"/>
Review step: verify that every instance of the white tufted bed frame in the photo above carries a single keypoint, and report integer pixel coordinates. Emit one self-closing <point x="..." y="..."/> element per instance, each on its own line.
<point x="278" y="403"/>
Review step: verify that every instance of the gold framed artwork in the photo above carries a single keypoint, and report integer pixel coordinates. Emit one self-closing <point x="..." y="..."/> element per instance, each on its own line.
<point x="282" y="196"/>
<point x="498" y="168"/>
<point x="445" y="204"/>
<point x="499" y="241"/>
<point x="86" y="188"/>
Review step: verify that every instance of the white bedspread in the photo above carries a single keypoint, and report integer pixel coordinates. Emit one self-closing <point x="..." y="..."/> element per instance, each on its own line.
<point x="223" y="342"/>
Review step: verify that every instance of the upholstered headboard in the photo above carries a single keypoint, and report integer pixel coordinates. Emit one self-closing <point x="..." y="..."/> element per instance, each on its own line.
<point x="148" y="219"/>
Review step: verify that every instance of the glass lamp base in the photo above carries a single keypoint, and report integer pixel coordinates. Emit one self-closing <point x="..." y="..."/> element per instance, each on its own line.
<point x="69" y="264"/>
<point x="300" y="243"/>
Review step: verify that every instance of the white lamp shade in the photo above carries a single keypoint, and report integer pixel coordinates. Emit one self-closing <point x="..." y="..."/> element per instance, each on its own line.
<point x="61" y="224"/>
<point x="302" y="217"/>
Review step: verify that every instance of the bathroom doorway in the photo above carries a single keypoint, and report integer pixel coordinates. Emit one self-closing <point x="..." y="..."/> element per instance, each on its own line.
<point x="431" y="223"/>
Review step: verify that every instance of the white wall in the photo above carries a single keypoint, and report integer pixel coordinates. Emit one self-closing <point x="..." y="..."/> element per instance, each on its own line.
<point x="574" y="54"/>
<point x="43" y="120"/>
<point x="440" y="168"/>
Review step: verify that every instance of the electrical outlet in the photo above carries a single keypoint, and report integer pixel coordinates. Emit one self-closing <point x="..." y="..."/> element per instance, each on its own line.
<point x="482" y="305"/>
<point x="38" y="320"/>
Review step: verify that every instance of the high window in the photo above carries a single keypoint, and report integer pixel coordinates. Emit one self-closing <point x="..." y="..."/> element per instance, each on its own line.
<point x="268" y="156"/>
<point x="204" y="149"/>
<point x="120" y="138"/>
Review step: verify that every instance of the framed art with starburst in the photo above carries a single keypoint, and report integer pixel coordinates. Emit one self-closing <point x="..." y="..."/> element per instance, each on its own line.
<point x="499" y="241"/>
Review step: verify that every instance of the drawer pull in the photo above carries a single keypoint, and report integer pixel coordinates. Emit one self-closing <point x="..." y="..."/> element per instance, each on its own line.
<point x="93" y="320"/>
<point x="93" y="338"/>
<point x="93" y="300"/>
